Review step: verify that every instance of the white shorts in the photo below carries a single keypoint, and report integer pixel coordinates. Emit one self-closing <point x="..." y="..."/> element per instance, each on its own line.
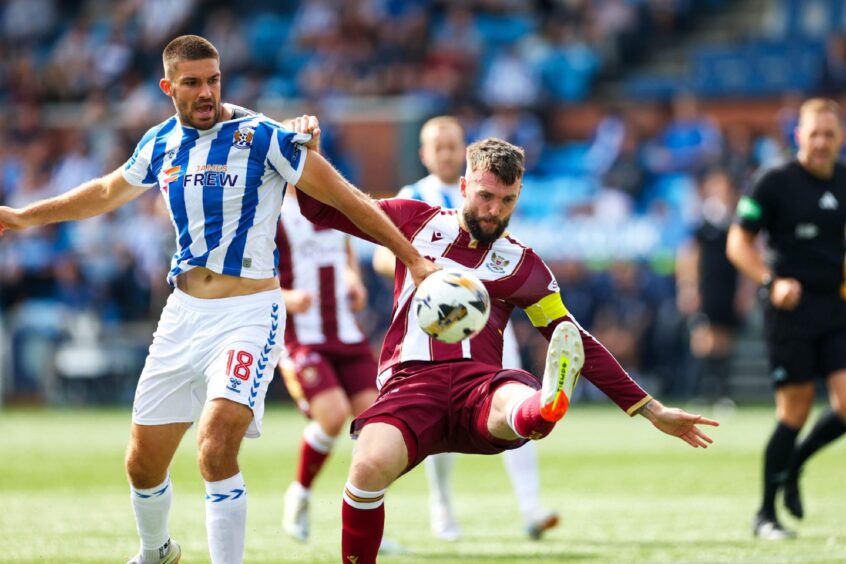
<point x="208" y="349"/>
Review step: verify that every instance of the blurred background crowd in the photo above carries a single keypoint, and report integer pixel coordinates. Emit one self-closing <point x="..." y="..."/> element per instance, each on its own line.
<point x="642" y="121"/>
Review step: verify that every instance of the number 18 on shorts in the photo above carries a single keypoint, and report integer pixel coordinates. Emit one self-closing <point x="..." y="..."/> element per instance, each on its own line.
<point x="208" y="349"/>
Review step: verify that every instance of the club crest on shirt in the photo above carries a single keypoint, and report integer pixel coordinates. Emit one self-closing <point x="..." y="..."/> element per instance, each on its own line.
<point x="497" y="263"/>
<point x="243" y="138"/>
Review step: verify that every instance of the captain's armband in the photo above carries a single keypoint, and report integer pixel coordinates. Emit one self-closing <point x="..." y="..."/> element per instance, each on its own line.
<point x="546" y="310"/>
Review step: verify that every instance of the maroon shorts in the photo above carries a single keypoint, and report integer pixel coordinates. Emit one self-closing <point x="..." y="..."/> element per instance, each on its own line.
<point x="312" y="369"/>
<point x="443" y="407"/>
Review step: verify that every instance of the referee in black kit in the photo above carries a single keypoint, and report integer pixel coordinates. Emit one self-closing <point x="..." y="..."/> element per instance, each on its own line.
<point x="802" y="207"/>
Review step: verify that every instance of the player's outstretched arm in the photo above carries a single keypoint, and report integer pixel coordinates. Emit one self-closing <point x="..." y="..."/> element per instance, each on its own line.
<point x="678" y="423"/>
<point x="92" y="198"/>
<point x="322" y="182"/>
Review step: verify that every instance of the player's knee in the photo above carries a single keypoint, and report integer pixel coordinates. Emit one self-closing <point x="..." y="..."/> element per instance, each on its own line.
<point x="142" y="472"/>
<point x="217" y="459"/>
<point x="372" y="473"/>
<point x="333" y="423"/>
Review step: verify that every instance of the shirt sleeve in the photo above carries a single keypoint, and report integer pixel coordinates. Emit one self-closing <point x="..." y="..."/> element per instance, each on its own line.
<point x="538" y="295"/>
<point x="137" y="169"/>
<point x="287" y="153"/>
<point x="753" y="207"/>
<point x="401" y="212"/>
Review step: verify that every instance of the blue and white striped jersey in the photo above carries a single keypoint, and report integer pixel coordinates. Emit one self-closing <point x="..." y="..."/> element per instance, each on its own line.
<point x="434" y="192"/>
<point x="223" y="187"/>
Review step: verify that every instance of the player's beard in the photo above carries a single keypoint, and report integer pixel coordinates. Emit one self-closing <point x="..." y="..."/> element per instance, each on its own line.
<point x="474" y="225"/>
<point x="186" y="111"/>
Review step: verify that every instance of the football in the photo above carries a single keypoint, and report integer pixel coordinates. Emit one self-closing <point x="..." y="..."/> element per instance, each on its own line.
<point x="452" y="305"/>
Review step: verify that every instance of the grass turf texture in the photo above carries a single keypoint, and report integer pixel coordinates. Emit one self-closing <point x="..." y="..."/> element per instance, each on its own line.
<point x="625" y="492"/>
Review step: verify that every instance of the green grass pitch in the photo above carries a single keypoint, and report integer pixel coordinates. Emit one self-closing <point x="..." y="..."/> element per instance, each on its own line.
<point x="625" y="492"/>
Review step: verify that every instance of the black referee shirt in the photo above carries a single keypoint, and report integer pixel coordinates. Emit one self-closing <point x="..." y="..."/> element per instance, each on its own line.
<point x="805" y="218"/>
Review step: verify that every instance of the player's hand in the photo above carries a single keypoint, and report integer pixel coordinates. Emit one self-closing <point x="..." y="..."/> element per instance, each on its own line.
<point x="357" y="296"/>
<point x="421" y="268"/>
<point x="785" y="293"/>
<point x="298" y="301"/>
<point x="679" y="423"/>
<point x="308" y="124"/>
<point x="10" y="219"/>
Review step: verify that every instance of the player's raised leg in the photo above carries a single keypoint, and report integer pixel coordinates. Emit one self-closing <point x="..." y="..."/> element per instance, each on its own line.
<point x="148" y="456"/>
<point x="380" y="456"/>
<point x="517" y="411"/>
<point x="565" y="357"/>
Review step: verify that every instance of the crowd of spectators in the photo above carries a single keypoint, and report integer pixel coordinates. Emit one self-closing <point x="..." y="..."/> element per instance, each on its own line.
<point x="81" y="79"/>
<point x="500" y="52"/>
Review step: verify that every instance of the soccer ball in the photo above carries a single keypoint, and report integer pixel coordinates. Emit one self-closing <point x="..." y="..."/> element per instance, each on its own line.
<point x="452" y="305"/>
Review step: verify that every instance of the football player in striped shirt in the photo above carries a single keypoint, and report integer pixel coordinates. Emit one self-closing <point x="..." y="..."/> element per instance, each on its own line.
<point x="222" y="171"/>
<point x="442" y="147"/>
<point x="436" y="397"/>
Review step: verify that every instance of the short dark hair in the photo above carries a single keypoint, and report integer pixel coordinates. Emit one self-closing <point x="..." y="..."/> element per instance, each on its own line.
<point x="187" y="48"/>
<point x="502" y="159"/>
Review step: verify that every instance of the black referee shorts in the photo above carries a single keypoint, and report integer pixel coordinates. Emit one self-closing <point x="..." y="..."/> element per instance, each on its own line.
<point x="807" y="342"/>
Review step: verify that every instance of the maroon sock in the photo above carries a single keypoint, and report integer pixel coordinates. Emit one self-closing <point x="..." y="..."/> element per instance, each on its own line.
<point x="362" y="533"/>
<point x="528" y="421"/>
<point x="311" y="461"/>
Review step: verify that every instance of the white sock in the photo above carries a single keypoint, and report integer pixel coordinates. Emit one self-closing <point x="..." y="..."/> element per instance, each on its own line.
<point x="514" y="406"/>
<point x="317" y="438"/>
<point x="439" y="471"/>
<point x="522" y="467"/>
<point x="226" y="519"/>
<point x="152" y="506"/>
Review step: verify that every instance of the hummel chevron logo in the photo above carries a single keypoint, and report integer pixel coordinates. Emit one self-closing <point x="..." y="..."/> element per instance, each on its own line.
<point x="436" y="236"/>
<point x="266" y="350"/>
<point x="233" y="495"/>
<point x="154" y="494"/>
<point x="274" y="325"/>
<point x="261" y="365"/>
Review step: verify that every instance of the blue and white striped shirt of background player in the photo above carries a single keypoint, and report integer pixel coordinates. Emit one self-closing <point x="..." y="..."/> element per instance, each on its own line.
<point x="435" y="192"/>
<point x="224" y="188"/>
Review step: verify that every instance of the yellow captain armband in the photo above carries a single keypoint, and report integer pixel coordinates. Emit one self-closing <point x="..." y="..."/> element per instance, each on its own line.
<point x="546" y="310"/>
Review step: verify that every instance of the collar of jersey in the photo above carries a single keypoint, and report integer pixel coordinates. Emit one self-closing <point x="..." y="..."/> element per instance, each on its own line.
<point x="216" y="127"/>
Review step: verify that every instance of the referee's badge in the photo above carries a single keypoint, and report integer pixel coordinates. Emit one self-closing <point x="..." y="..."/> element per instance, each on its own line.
<point x="243" y="138"/>
<point x="828" y="201"/>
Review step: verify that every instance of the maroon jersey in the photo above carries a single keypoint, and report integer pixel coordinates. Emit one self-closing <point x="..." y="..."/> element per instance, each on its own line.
<point x="315" y="258"/>
<point x="513" y="275"/>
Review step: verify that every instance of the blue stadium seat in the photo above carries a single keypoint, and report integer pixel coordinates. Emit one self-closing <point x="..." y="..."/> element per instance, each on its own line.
<point x="504" y="29"/>
<point x="266" y="33"/>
